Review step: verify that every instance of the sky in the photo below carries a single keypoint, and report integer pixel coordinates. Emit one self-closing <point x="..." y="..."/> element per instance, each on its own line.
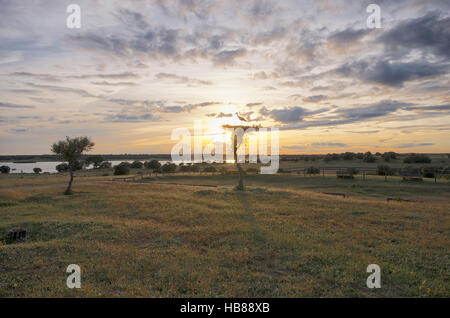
<point x="136" y="70"/>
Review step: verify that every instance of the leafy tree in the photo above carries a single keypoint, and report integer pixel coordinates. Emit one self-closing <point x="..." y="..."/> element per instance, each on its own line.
<point x="368" y="157"/>
<point x="105" y="165"/>
<point x="154" y="165"/>
<point x="62" y="167"/>
<point x="5" y="169"/>
<point x="122" y="168"/>
<point x="71" y="150"/>
<point x="414" y="158"/>
<point x="137" y="165"/>
<point x="37" y="170"/>
<point x="96" y="160"/>
<point x="169" y="167"/>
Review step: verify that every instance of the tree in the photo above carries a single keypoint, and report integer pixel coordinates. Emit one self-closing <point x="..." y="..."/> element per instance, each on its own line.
<point x="154" y="165"/>
<point x="137" y="165"/>
<point x="105" y="165"/>
<point x="71" y="150"/>
<point x="169" y="167"/>
<point x="236" y="143"/>
<point x="62" y="167"/>
<point x="5" y="169"/>
<point x="37" y="170"/>
<point x="122" y="168"/>
<point x="96" y="160"/>
<point x="368" y="157"/>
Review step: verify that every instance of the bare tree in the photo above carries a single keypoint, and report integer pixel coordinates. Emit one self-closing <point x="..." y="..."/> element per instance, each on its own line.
<point x="236" y="144"/>
<point x="70" y="150"/>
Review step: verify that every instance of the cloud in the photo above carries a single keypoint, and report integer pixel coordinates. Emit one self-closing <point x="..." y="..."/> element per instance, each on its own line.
<point x="220" y="115"/>
<point x="329" y="144"/>
<point x="445" y="107"/>
<point x="123" y="75"/>
<point x="379" y="109"/>
<point x="11" y="105"/>
<point x="42" y="77"/>
<point x="391" y="73"/>
<point x="253" y="104"/>
<point x="227" y="57"/>
<point x="412" y="145"/>
<point x="182" y="79"/>
<point x="105" y="83"/>
<point x="289" y="114"/>
<point x="62" y="89"/>
<point x="427" y="33"/>
<point x="315" y="98"/>
<point x="127" y="117"/>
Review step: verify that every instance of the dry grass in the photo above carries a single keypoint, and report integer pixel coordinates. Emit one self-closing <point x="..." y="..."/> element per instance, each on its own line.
<point x="162" y="240"/>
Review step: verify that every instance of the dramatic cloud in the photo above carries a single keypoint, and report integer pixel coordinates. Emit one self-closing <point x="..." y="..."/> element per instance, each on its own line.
<point x="289" y="114"/>
<point x="427" y="33"/>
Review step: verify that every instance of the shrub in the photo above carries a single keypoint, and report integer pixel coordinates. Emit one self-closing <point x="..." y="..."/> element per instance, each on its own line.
<point x="384" y="170"/>
<point x="122" y="168"/>
<point x="137" y="165"/>
<point x="5" y="169"/>
<point x="210" y="169"/>
<point x="430" y="172"/>
<point x="195" y="168"/>
<point x="105" y="165"/>
<point x="169" y="167"/>
<point x="348" y="156"/>
<point x="154" y="165"/>
<point x="252" y="170"/>
<point x="360" y="155"/>
<point x="62" y="167"/>
<point x="184" y="168"/>
<point x="37" y="170"/>
<point x="352" y="171"/>
<point x="96" y="160"/>
<point x="313" y="170"/>
<point x="413" y="158"/>
<point x="368" y="157"/>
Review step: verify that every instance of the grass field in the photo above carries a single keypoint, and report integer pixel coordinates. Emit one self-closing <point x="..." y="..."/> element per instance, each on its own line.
<point x="172" y="237"/>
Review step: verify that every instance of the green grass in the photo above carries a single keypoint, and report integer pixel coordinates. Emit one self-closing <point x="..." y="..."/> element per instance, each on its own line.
<point x="281" y="238"/>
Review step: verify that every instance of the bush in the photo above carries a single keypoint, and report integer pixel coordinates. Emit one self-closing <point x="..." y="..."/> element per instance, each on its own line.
<point x="5" y="169"/>
<point x="37" y="170"/>
<point x="430" y="172"/>
<point x="368" y="157"/>
<point x="413" y="158"/>
<point x="195" y="168"/>
<point x="169" y="167"/>
<point x="384" y="170"/>
<point x="62" y="167"/>
<point x="105" y="165"/>
<point x="154" y="165"/>
<point x="210" y="169"/>
<point x="137" y="165"/>
<point x="313" y="170"/>
<point x="348" y="156"/>
<point x="360" y="155"/>
<point x="96" y="160"/>
<point x="352" y="171"/>
<point x="122" y="168"/>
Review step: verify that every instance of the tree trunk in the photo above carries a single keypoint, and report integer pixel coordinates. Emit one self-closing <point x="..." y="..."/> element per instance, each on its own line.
<point x="240" y="185"/>
<point x="69" y="187"/>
